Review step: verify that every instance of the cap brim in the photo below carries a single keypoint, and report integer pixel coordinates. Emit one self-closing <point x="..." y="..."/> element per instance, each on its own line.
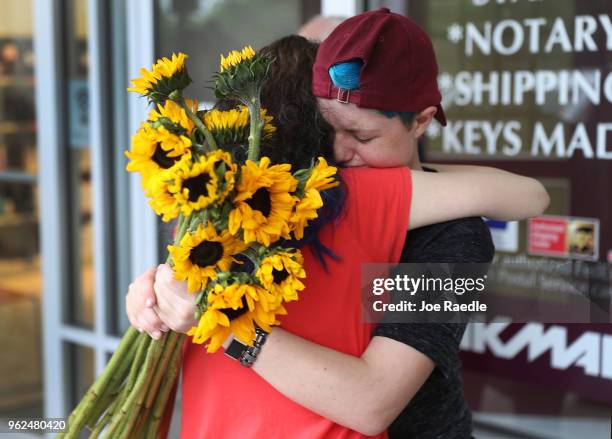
<point x="440" y="116"/>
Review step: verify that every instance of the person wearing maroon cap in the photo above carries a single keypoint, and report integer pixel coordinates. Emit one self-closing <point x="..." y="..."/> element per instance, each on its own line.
<point x="375" y="78"/>
<point x="340" y="392"/>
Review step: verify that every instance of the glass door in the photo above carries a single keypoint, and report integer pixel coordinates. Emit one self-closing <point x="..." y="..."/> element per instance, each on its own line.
<point x="95" y="219"/>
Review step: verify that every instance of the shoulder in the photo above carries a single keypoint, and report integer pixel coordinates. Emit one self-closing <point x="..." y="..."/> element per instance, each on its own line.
<point x="378" y="190"/>
<point x="462" y="240"/>
<point x="377" y="209"/>
<point x="376" y="179"/>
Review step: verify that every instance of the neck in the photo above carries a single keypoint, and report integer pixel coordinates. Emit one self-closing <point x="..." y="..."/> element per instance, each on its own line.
<point x="415" y="163"/>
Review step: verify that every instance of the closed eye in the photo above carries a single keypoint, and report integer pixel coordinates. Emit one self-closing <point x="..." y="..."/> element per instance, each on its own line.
<point x="364" y="139"/>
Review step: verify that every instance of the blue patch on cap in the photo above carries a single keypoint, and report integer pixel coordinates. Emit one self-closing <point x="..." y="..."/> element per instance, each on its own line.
<point x="346" y="75"/>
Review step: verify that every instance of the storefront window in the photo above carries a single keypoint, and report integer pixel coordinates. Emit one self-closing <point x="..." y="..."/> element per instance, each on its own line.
<point x="205" y="29"/>
<point x="20" y="284"/>
<point x="527" y="87"/>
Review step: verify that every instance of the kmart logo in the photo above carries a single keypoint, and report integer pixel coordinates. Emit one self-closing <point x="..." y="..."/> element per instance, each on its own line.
<point x="591" y="351"/>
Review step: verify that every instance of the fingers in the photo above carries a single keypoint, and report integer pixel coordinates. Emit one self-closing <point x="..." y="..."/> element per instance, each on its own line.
<point x="168" y="319"/>
<point x="178" y="318"/>
<point x="130" y="314"/>
<point x="150" y="323"/>
<point x="140" y="302"/>
<point x="167" y="301"/>
<point x="145" y="287"/>
<point x="157" y="302"/>
<point x="176" y="312"/>
<point x="165" y="277"/>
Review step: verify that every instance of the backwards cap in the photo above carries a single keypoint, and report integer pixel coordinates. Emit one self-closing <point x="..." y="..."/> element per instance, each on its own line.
<point x="399" y="71"/>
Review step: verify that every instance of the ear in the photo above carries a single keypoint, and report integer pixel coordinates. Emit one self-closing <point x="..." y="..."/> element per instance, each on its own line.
<point x="423" y="119"/>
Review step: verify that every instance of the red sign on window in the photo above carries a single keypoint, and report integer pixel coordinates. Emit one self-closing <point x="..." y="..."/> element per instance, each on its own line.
<point x="548" y="236"/>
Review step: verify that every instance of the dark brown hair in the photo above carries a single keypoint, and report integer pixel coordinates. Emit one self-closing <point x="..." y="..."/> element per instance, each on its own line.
<point x="302" y="132"/>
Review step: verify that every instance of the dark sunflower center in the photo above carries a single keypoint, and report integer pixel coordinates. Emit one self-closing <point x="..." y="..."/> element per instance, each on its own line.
<point x="161" y="158"/>
<point x="243" y="265"/>
<point x="206" y="253"/>
<point x="197" y="186"/>
<point x="279" y="275"/>
<point x="235" y="313"/>
<point x="261" y="201"/>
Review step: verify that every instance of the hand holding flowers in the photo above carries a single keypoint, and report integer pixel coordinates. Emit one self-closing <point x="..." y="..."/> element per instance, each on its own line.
<point x="139" y="303"/>
<point x="175" y="305"/>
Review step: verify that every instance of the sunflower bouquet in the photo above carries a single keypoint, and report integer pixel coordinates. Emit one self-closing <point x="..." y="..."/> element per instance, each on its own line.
<point x="236" y="213"/>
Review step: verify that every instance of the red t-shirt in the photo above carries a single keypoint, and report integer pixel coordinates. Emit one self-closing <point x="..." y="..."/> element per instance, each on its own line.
<point x="222" y="399"/>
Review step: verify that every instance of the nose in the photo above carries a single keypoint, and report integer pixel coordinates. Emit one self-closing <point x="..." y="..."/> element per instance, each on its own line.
<point x="346" y="151"/>
<point x="343" y="152"/>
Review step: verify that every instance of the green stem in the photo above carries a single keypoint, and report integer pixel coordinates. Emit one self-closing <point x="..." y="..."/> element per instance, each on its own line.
<point x="161" y="369"/>
<point x="183" y="225"/>
<point x="159" y="407"/>
<point x="212" y="144"/>
<point x="141" y="355"/>
<point x="78" y="418"/>
<point x="251" y="255"/>
<point x="256" y="126"/>
<point x="123" y="398"/>
<point x="100" y="426"/>
<point x="112" y="409"/>
<point x="107" y="397"/>
<point x="136" y="395"/>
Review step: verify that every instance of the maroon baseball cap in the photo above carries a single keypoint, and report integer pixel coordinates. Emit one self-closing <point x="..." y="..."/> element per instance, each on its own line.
<point x="399" y="71"/>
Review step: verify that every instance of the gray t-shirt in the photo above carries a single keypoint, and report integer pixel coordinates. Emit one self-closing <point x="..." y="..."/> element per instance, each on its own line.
<point x="439" y="410"/>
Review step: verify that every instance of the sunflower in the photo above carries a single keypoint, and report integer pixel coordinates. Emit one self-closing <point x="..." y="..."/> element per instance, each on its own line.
<point x="156" y="150"/>
<point x="204" y="182"/>
<point x="304" y="211"/>
<point x="234" y="309"/>
<point x="241" y="75"/>
<point x="201" y="253"/>
<point x="173" y="113"/>
<point x="263" y="203"/>
<point x="280" y="273"/>
<point x="162" y="201"/>
<point x="232" y="126"/>
<point x="221" y="161"/>
<point x="320" y="179"/>
<point x="235" y="57"/>
<point x="322" y="176"/>
<point x="166" y="76"/>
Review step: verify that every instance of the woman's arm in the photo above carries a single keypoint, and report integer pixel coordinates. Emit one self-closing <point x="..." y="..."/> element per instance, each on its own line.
<point x="459" y="192"/>
<point x="440" y="167"/>
<point x="362" y="393"/>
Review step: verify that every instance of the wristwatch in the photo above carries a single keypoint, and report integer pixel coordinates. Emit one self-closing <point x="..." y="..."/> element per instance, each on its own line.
<point x="235" y="349"/>
<point x="247" y="354"/>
